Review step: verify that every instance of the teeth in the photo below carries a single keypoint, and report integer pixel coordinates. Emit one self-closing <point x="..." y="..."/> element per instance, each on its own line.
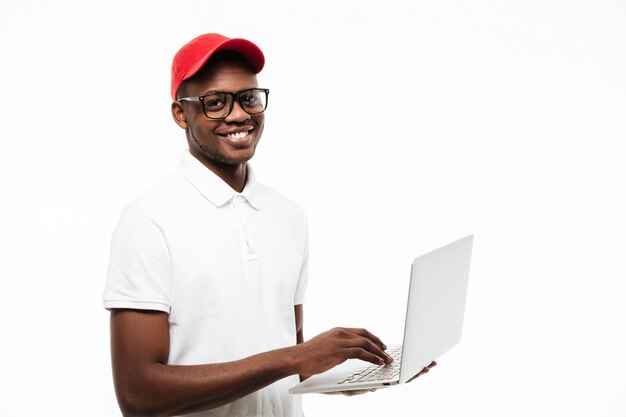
<point x="236" y="136"/>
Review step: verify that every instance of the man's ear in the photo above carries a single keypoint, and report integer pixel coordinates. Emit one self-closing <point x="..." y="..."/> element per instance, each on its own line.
<point x="179" y="115"/>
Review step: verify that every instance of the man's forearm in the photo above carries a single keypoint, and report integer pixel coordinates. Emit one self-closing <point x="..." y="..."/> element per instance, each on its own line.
<point x="164" y="390"/>
<point x="146" y="386"/>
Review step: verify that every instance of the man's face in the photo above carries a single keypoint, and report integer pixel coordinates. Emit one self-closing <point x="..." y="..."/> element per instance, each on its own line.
<point x="228" y="141"/>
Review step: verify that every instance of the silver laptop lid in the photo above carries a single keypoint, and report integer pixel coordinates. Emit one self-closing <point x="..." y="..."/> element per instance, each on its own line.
<point x="436" y="305"/>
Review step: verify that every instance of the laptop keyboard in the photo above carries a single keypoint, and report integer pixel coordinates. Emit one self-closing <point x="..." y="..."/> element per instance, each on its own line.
<point x="378" y="372"/>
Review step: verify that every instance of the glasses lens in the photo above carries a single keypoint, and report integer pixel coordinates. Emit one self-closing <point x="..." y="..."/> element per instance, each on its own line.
<point x="253" y="101"/>
<point x="217" y="105"/>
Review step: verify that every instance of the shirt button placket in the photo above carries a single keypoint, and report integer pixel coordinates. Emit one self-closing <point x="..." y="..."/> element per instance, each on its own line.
<point x="247" y="244"/>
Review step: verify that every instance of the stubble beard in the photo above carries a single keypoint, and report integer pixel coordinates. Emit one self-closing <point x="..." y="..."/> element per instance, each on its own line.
<point x="212" y="155"/>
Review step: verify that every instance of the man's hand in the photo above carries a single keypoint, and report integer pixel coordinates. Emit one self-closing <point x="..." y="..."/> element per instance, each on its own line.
<point x="351" y="392"/>
<point x="337" y="345"/>
<point x="424" y="371"/>
<point x="364" y="391"/>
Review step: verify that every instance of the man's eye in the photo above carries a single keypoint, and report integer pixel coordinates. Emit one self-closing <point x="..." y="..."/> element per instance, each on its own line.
<point x="214" y="102"/>
<point x="249" y="99"/>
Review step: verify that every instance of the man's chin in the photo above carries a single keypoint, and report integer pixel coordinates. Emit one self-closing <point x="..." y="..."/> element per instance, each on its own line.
<point x="226" y="160"/>
<point x="235" y="159"/>
<point x="209" y="155"/>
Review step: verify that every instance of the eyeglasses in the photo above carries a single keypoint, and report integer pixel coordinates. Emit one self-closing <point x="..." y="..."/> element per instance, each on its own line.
<point x="219" y="105"/>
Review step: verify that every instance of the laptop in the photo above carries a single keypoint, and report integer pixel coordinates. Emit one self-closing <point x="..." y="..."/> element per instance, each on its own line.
<point x="433" y="324"/>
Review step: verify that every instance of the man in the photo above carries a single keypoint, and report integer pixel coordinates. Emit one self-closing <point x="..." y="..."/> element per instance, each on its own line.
<point x="208" y="267"/>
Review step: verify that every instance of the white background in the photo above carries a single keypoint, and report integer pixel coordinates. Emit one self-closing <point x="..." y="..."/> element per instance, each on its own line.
<point x="398" y="126"/>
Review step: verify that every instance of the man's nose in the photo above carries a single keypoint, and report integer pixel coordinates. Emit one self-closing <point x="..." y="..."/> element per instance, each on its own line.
<point x="237" y="114"/>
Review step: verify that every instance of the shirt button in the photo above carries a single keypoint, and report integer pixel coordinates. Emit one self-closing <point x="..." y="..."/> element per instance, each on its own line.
<point x="237" y="201"/>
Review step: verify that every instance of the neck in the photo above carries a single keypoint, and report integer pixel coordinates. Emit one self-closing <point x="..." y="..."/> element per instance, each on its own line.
<point x="234" y="175"/>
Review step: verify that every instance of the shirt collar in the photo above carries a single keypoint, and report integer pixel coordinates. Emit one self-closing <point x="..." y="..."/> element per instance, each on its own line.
<point x="212" y="187"/>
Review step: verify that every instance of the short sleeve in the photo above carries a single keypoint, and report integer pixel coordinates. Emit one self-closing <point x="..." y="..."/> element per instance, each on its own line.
<point x="303" y="277"/>
<point x="139" y="273"/>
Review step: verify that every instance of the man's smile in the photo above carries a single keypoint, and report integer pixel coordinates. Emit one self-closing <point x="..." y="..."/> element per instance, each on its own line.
<point x="237" y="136"/>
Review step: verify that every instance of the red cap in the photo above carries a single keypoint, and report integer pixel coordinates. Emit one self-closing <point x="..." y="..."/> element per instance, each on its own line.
<point x="191" y="57"/>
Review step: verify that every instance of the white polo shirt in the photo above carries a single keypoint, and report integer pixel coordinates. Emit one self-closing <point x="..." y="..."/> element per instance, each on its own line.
<point x="228" y="267"/>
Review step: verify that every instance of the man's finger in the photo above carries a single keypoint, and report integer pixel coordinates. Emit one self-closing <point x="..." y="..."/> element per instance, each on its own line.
<point x="369" y="346"/>
<point x="423" y="371"/>
<point x="366" y="333"/>
<point x="364" y="355"/>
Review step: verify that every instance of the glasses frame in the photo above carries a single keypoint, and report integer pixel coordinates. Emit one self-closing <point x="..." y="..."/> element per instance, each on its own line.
<point x="234" y="96"/>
